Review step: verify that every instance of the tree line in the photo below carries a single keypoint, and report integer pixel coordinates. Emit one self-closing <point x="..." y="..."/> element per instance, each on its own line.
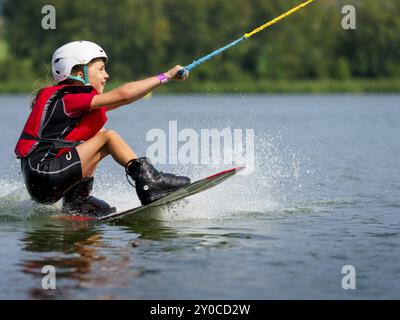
<point x="144" y="37"/>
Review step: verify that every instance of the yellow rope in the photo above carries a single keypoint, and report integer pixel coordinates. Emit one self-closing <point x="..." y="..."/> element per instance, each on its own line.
<point x="282" y="16"/>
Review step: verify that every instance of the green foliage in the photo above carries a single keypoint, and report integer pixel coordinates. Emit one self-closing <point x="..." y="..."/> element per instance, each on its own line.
<point x="145" y="37"/>
<point x="3" y="50"/>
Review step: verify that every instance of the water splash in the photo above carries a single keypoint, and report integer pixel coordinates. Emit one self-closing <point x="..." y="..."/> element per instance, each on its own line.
<point x="280" y="183"/>
<point x="15" y="203"/>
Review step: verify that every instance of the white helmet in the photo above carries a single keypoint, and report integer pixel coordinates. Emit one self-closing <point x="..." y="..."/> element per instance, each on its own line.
<point x="72" y="54"/>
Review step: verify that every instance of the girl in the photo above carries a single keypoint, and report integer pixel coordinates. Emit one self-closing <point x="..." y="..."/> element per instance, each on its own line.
<point x="63" y="140"/>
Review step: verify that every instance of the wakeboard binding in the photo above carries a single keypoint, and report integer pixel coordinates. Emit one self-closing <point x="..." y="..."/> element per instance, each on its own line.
<point x="151" y="184"/>
<point x="77" y="200"/>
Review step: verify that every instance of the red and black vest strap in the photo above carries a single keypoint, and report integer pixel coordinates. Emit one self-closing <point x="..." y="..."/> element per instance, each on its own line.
<point x="57" y="143"/>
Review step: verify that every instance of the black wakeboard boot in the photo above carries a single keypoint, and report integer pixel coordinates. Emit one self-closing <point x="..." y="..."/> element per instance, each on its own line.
<point x="151" y="184"/>
<point x="77" y="200"/>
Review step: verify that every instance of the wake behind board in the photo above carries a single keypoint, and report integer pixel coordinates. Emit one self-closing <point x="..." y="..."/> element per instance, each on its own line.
<point x="193" y="188"/>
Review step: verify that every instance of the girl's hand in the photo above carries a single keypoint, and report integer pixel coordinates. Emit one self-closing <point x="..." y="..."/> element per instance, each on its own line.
<point x="171" y="74"/>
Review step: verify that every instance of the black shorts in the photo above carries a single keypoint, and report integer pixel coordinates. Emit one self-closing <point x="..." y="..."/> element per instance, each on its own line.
<point x="48" y="180"/>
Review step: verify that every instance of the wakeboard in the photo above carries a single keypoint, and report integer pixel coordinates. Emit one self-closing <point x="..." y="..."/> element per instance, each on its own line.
<point x="193" y="188"/>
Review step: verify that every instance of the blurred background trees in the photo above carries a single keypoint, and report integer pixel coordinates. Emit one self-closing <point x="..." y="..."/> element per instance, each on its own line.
<point x="145" y="37"/>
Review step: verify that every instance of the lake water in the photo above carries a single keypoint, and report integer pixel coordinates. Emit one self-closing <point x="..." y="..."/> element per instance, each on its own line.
<point x="324" y="193"/>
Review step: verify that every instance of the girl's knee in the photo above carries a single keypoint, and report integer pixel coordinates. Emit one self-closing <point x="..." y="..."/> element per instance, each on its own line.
<point x="111" y="133"/>
<point x="107" y="134"/>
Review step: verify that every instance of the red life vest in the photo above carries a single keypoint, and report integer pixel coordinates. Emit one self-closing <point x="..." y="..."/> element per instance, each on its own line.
<point x="49" y="123"/>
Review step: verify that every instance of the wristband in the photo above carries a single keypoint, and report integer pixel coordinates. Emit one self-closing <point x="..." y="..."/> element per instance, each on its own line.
<point x="163" y="79"/>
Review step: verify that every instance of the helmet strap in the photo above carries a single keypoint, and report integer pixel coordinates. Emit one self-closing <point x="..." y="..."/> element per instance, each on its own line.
<point x="85" y="79"/>
<point x="86" y="73"/>
<point x="76" y="78"/>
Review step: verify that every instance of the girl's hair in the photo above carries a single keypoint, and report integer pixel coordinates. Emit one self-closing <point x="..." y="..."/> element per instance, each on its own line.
<point x="74" y="71"/>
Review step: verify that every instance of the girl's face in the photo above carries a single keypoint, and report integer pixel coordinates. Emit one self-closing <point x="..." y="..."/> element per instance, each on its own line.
<point x="98" y="75"/>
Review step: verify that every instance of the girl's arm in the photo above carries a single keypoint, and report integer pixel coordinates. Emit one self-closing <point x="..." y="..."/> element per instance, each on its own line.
<point x="131" y="91"/>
